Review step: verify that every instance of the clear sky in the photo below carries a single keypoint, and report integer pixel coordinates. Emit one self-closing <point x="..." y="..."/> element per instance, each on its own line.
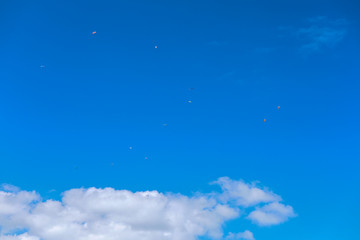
<point x="172" y="95"/>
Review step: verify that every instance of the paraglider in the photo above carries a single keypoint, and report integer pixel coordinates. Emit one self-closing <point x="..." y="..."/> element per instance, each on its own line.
<point x="94" y="32"/>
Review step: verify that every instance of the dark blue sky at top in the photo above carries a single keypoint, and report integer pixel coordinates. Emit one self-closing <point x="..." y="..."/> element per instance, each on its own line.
<point x="71" y="123"/>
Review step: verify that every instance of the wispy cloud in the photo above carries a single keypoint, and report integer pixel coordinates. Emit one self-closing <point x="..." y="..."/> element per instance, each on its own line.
<point x="316" y="34"/>
<point x="94" y="213"/>
<point x="217" y="43"/>
<point x="265" y="49"/>
<point x="321" y="32"/>
<point x="9" y="187"/>
<point x="244" y="194"/>
<point x="246" y="235"/>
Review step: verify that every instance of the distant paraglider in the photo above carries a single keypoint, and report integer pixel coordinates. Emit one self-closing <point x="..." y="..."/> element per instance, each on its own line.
<point x="270" y="113"/>
<point x="156" y="44"/>
<point x="191" y="89"/>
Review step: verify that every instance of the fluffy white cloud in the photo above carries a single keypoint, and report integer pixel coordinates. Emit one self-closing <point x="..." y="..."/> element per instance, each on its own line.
<point x="244" y="194"/>
<point x="271" y="214"/>
<point x="109" y="214"/>
<point x="15" y="207"/>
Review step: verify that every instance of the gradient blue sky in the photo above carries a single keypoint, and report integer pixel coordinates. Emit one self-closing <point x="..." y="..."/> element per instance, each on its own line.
<point x="71" y="123"/>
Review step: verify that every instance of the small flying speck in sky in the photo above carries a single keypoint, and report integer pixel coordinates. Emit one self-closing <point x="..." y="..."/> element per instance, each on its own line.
<point x="278" y="107"/>
<point x="146" y="158"/>
<point x="130" y="148"/>
<point x="264" y="120"/>
<point x="93" y="33"/>
<point x="42" y="66"/>
<point x="189" y="101"/>
<point x="165" y="124"/>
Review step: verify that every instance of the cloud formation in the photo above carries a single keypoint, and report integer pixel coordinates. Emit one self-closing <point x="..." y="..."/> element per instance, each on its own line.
<point x="246" y="235"/>
<point x="322" y="32"/>
<point x="270" y="214"/>
<point x="244" y="194"/>
<point x="109" y="214"/>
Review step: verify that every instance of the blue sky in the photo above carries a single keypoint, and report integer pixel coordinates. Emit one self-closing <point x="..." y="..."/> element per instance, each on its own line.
<point x="73" y="103"/>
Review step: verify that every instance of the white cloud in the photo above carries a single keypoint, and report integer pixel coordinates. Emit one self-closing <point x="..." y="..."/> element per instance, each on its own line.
<point x="109" y="214"/>
<point x="9" y="188"/>
<point x="271" y="214"/>
<point x="15" y="207"/>
<point x="246" y="235"/>
<point x="24" y="236"/>
<point x="245" y="194"/>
